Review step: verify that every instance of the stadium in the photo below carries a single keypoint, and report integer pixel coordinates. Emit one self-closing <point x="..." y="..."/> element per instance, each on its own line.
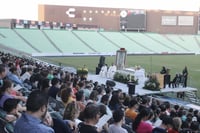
<point x="74" y="36"/>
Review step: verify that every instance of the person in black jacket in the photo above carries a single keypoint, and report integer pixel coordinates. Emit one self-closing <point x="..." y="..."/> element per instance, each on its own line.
<point x="58" y="125"/>
<point x="91" y="117"/>
<point x="185" y="76"/>
<point x="166" y="124"/>
<point x="163" y="71"/>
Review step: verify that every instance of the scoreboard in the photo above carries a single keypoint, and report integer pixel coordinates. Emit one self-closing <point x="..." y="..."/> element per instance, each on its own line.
<point x="133" y="20"/>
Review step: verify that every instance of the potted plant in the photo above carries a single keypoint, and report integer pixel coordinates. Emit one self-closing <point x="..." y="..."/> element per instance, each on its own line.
<point x="125" y="78"/>
<point x="82" y="72"/>
<point x="152" y="83"/>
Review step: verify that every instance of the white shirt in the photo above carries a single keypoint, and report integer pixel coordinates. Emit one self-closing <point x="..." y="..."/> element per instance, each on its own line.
<point x="116" y="129"/>
<point x="25" y="76"/>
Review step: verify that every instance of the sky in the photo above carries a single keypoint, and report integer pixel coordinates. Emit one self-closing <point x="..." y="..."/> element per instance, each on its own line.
<point x="28" y="9"/>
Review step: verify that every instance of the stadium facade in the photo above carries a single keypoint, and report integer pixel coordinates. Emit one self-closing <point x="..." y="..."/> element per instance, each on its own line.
<point x="116" y="19"/>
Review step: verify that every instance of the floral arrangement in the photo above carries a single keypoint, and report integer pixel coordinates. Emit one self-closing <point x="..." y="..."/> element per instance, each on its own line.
<point x="125" y="78"/>
<point x="82" y="71"/>
<point x="152" y="83"/>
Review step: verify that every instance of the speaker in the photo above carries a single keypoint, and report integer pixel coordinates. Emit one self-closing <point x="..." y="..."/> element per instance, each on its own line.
<point x="102" y="60"/>
<point x="110" y="83"/>
<point x="98" y="69"/>
<point x="131" y="88"/>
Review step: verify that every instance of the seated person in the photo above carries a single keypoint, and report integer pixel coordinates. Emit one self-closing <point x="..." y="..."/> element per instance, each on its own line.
<point x="80" y="99"/>
<point x="116" y="127"/>
<point x="31" y="120"/>
<point x="13" y="75"/>
<point x="175" y="81"/>
<point x="139" y="125"/>
<point x="67" y="96"/>
<point x="91" y="116"/>
<point x="131" y="110"/>
<point x="166" y="124"/>
<point x="194" y="127"/>
<point x="54" y="89"/>
<point x="11" y="108"/>
<point x="72" y="112"/>
<point x="5" y="93"/>
<point x="58" y="125"/>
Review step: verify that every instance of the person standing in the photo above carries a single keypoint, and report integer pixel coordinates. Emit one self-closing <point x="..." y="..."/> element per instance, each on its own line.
<point x="111" y="71"/>
<point x="185" y="75"/>
<point x="103" y="71"/>
<point x="163" y="71"/>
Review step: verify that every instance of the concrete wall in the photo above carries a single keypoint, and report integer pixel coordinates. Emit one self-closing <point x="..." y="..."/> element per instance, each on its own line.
<point x="109" y="18"/>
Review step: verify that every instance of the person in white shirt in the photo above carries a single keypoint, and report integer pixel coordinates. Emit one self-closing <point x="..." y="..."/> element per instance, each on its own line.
<point x="103" y="71"/>
<point x="116" y="127"/>
<point x="111" y="71"/>
<point x="27" y="74"/>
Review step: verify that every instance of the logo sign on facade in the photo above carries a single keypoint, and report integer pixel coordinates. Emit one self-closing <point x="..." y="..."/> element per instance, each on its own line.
<point x="71" y="12"/>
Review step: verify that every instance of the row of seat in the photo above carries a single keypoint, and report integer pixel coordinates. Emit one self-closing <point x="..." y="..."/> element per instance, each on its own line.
<point x="56" y="41"/>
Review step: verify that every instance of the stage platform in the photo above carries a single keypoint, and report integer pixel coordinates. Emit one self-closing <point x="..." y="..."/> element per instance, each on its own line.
<point x="139" y="90"/>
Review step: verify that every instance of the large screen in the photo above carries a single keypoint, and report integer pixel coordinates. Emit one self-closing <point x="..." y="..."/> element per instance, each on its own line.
<point x="133" y="20"/>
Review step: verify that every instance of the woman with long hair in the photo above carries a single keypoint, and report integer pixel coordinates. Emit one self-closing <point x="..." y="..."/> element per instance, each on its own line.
<point x="93" y="97"/>
<point x="176" y="127"/>
<point x="66" y="96"/>
<point x="139" y="125"/>
<point x="71" y="112"/>
<point x="114" y="103"/>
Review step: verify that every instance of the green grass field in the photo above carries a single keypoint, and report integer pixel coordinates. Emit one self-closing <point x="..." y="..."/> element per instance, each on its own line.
<point x="151" y="64"/>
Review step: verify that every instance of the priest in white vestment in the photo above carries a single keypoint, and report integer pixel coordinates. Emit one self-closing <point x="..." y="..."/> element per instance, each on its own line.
<point x="103" y="71"/>
<point x="111" y="71"/>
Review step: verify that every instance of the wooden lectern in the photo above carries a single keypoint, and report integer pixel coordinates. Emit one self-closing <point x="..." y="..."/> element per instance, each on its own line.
<point x="160" y="78"/>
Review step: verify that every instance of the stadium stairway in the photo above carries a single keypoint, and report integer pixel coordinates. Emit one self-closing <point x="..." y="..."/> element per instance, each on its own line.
<point x="158" y="41"/>
<point x="197" y="41"/>
<point x="49" y="39"/>
<point x="2" y="36"/>
<point x="109" y="40"/>
<point x="12" y="40"/>
<point x="140" y="44"/>
<point x="175" y="43"/>
<point x="124" y="42"/>
<point x="96" y="41"/>
<point x="189" y="42"/>
<point x="147" y="42"/>
<point x="192" y="97"/>
<point x="84" y="42"/>
<point x="38" y="40"/>
<point x="26" y="41"/>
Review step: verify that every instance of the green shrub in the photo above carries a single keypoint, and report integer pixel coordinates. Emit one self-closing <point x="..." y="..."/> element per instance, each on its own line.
<point x="124" y="78"/>
<point x="82" y="71"/>
<point x="152" y="83"/>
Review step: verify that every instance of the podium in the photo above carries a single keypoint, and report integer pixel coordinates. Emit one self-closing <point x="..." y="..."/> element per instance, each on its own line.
<point x="131" y="88"/>
<point x="160" y="78"/>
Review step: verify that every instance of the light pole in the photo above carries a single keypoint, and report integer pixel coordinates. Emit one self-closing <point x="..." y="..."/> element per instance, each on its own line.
<point x="151" y="63"/>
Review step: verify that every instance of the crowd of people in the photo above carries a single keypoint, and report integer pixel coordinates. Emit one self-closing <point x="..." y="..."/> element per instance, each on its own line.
<point x="40" y="98"/>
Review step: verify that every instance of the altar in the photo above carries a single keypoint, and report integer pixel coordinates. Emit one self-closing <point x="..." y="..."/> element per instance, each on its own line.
<point x="138" y="73"/>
